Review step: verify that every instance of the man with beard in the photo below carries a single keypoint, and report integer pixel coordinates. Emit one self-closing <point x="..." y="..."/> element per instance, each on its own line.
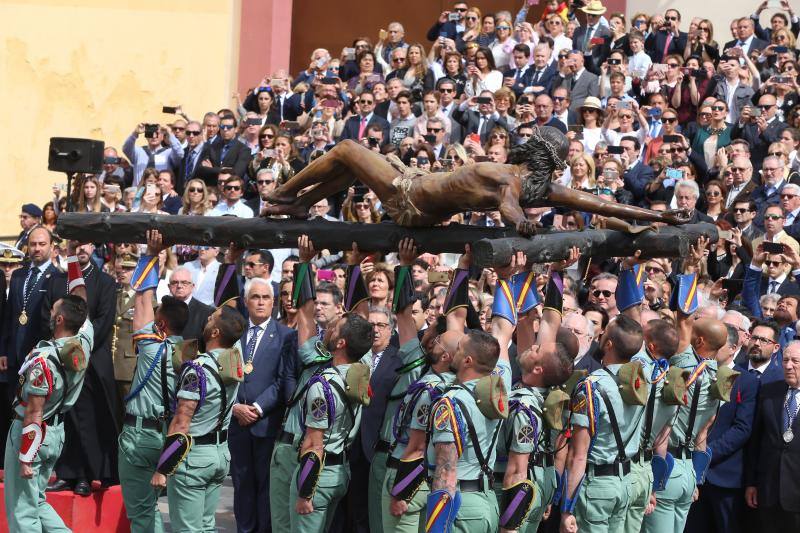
<point x="313" y="357"/>
<point x="762" y="352"/>
<point x="148" y="405"/>
<point x="406" y="422"/>
<point x="530" y="451"/>
<point x="195" y="453"/>
<point x="91" y="427"/>
<point x="328" y="414"/>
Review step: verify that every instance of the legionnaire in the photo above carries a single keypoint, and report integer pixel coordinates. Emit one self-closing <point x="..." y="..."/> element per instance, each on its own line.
<point x="195" y="453"/>
<point x="330" y="409"/>
<point x="706" y="386"/>
<point x="313" y="357"/>
<point x="51" y="378"/>
<point x="606" y="410"/>
<point x="148" y="405"/>
<point x="123" y="350"/>
<point x="531" y="443"/>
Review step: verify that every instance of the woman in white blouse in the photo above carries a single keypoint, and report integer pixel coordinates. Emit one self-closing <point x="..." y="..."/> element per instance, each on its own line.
<point x="482" y="75"/>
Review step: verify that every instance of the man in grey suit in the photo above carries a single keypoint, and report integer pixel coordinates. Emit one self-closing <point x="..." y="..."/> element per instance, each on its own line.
<point x="577" y="80"/>
<point x="447" y="89"/>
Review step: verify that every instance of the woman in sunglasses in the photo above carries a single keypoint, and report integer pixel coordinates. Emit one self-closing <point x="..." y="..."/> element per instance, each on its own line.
<point x="690" y="91"/>
<point x="731" y="255"/>
<point x="716" y="134"/>
<point x="503" y="44"/>
<point x="195" y="198"/>
<point x="266" y="149"/>
<point x="715" y="195"/>
<point x="701" y="43"/>
<point x="473" y="30"/>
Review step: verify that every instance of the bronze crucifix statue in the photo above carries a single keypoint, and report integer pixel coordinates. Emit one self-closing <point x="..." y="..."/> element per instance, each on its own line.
<point x="412" y="198"/>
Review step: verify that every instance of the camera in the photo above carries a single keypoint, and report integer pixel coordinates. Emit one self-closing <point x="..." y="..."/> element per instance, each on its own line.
<point x="150" y="130"/>
<point x="373" y="142"/>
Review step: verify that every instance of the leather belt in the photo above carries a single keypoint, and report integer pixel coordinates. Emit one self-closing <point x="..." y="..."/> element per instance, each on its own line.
<point x="679" y="452"/>
<point x="392" y="462"/>
<point x="334" y="459"/>
<point x="285" y="437"/>
<point x="642" y="456"/>
<point x="612" y="469"/>
<point x="382" y="446"/>
<point x="146" y="423"/>
<point x="474" y="485"/>
<point x="215" y="437"/>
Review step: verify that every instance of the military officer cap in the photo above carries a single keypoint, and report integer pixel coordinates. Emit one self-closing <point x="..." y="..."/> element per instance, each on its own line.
<point x="129" y="260"/>
<point x="9" y="254"/>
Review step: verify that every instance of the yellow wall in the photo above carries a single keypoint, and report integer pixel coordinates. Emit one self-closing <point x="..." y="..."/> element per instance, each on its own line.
<point x="96" y="68"/>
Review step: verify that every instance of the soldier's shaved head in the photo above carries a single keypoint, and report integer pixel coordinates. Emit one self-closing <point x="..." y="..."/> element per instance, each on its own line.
<point x="708" y="336"/>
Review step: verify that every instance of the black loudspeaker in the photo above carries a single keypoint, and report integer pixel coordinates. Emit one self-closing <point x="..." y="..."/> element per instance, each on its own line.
<point x="75" y="155"/>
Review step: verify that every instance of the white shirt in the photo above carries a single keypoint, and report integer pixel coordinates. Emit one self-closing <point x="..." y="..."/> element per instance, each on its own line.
<point x="796" y="393"/>
<point x="204" y="279"/>
<point x="259" y="335"/>
<point x="760" y="369"/>
<point x="239" y="209"/>
<point x="771" y="287"/>
<point x="791" y="218"/>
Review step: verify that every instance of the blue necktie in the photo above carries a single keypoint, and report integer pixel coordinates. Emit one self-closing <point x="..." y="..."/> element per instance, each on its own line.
<point x="791" y="409"/>
<point x="225" y="148"/>
<point x="251" y="343"/>
<point x="30" y="283"/>
<point x="189" y="164"/>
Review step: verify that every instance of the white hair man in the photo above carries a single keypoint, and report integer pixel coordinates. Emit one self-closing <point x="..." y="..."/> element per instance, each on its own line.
<point x="181" y="287"/>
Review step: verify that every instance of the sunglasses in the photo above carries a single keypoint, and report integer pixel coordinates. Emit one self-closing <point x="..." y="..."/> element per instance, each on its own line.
<point x="192" y="133"/>
<point x="267" y="136"/>
<point x="704" y="114"/>
<point x="717" y="108"/>
<point x="178" y="128"/>
<point x="597" y="292"/>
<point x="434" y="130"/>
<point x="653" y="269"/>
<point x="365" y="102"/>
<point x="195" y="189"/>
<point x="776" y="154"/>
<point x="398" y="59"/>
<point x="233" y="187"/>
<point x="460" y="9"/>
<point x="447" y="90"/>
<point x="673" y="65"/>
<point x="773" y="217"/>
<point x="773" y="263"/>
<point x="788" y="196"/>
<point x="625" y="115"/>
<point x="226" y="126"/>
<point x="506" y="28"/>
<point x="738" y="169"/>
<point x="559" y="98"/>
<point x="669" y="120"/>
<point x="265" y="182"/>
<point x="361" y="206"/>
<point x="499" y="135"/>
<point x="677" y="150"/>
<point x="713" y="194"/>
<point x="252" y="264"/>
<point x="670" y="18"/>
<point x="471" y="18"/>
<point x="740" y="210"/>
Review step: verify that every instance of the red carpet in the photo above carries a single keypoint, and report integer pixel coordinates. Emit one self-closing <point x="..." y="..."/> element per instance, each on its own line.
<point x="103" y="511"/>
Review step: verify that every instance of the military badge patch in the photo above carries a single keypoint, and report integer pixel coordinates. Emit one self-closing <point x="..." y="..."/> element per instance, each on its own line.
<point x="190" y="382"/>
<point x="526" y="435"/>
<point x="319" y="408"/>
<point x="441" y="418"/>
<point x="422" y="414"/>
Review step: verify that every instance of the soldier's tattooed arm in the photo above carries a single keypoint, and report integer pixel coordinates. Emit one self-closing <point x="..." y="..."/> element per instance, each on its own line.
<point x="183" y="416"/>
<point x="516" y="468"/>
<point x="445" y="475"/>
<point x="34" y="410"/>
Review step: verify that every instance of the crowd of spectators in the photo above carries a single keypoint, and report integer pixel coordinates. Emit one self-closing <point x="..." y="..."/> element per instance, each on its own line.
<point x="660" y="112"/>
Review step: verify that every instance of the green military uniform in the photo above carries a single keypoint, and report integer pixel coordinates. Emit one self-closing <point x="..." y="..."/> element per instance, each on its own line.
<point x="412" y="360"/>
<point x="674" y="502"/>
<point x="284" y="456"/>
<point x="142" y="436"/>
<point x="193" y="490"/>
<point x="339" y="433"/>
<point x="641" y="478"/>
<point x="123" y="352"/>
<point x="605" y="496"/>
<point x="479" y="510"/>
<point x="42" y="374"/>
<point x="519" y="436"/>
<point x="413" y="413"/>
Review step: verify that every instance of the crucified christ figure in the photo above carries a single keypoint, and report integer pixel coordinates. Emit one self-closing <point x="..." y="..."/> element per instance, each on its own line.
<point x="414" y="199"/>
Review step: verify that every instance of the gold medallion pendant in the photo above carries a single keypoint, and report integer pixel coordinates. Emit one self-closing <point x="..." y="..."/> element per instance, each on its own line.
<point x="23" y="318"/>
<point x="248" y="367"/>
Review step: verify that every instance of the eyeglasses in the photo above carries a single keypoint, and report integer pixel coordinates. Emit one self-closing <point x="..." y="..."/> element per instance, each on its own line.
<point x="265" y="182"/>
<point x="506" y="28"/>
<point x="252" y="264"/>
<point x="434" y="130"/>
<point x="773" y="217"/>
<point x="677" y="150"/>
<point x="226" y="126"/>
<point x="267" y="136"/>
<point x="770" y="169"/>
<point x="233" y="187"/>
<point x="740" y="210"/>
<point x="597" y="292"/>
<point x="717" y="108"/>
<point x="625" y="115"/>
<point x="704" y="114"/>
<point x="653" y="269"/>
<point x="398" y="59"/>
<point x="713" y="194"/>
<point x="379" y="325"/>
<point x="760" y="340"/>
<point x="471" y="18"/>
<point x="365" y="102"/>
<point x="673" y="65"/>
<point x="786" y="196"/>
<point x="195" y="189"/>
<point x="443" y="90"/>
<point x="736" y="170"/>
<point x="180" y="283"/>
<point x="670" y="18"/>
<point x="192" y="133"/>
<point x="669" y="120"/>
<point x="499" y="135"/>
<point x="776" y="154"/>
<point x="773" y="263"/>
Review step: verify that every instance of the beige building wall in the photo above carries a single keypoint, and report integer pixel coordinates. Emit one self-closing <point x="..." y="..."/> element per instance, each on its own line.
<point x="96" y="68"/>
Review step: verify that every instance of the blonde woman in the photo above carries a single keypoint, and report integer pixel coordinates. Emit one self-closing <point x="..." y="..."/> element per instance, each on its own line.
<point x="582" y="170"/>
<point x="89" y="199"/>
<point x="196" y="199"/>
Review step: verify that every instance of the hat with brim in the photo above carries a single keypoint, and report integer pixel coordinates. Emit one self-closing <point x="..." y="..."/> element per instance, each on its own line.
<point x="32" y="210"/>
<point x="10" y="255"/>
<point x="595" y="7"/>
<point x="592" y="102"/>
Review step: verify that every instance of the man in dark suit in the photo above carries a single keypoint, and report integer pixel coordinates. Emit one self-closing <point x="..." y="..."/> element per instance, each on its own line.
<point x="747" y="41"/>
<point x="447" y="89"/>
<point x="760" y="131"/>
<point x="579" y="81"/>
<point x="481" y="121"/>
<point x="269" y="350"/>
<point x="744" y="212"/>
<point x="518" y="78"/>
<point x="22" y="323"/>
<point x="583" y="330"/>
<point x="592" y="38"/>
<point x="385" y="363"/>
<point x="542" y="71"/>
<point x="355" y="127"/>
<point x="772" y="476"/>
<point x="445" y="27"/>
<point x="668" y="39"/>
<point x="637" y="175"/>
<point x="226" y="152"/>
<point x="181" y="287"/>
<point x="543" y="109"/>
<point x="719" y="507"/>
<point x="91" y="426"/>
<point x="191" y="155"/>
<point x="686" y="195"/>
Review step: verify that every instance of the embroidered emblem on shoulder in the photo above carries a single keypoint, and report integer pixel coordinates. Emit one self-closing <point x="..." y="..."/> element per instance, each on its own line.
<point x="441" y="418"/>
<point x="190" y="382"/>
<point x="319" y="408"/>
<point x="526" y="435"/>
<point x="422" y="414"/>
